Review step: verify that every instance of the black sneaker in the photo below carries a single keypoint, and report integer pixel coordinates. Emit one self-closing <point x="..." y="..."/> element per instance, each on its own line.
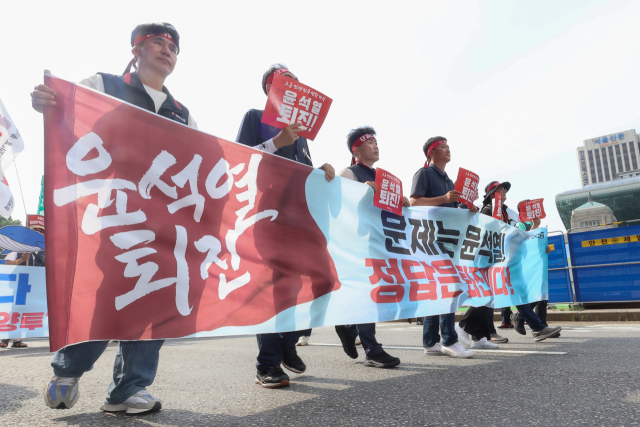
<point x="381" y="360"/>
<point x="292" y="361"/>
<point x="518" y="324"/>
<point x="348" y="342"/>
<point x="273" y="378"/>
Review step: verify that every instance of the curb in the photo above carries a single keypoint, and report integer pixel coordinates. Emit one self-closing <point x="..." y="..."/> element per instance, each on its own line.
<point x="619" y="315"/>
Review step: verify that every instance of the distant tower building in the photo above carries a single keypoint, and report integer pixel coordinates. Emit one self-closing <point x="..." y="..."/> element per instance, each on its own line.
<point x="591" y="216"/>
<point x="609" y="157"/>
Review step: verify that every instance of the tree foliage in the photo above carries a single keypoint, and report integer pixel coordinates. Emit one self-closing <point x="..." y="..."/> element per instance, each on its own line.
<point x="9" y="221"/>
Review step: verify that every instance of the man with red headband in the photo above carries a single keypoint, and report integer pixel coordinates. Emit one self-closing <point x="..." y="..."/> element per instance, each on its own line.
<point x="363" y="146"/>
<point x="432" y="187"/>
<point x="278" y="348"/>
<point x="155" y="49"/>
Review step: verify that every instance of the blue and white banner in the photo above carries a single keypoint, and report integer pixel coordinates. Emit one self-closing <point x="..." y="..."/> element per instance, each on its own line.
<point x="23" y="302"/>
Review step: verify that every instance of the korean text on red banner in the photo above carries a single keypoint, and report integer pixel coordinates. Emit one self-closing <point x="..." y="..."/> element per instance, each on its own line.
<point x="531" y="209"/>
<point x="467" y="185"/>
<point x="389" y="194"/>
<point x="497" y="206"/>
<point x="292" y="102"/>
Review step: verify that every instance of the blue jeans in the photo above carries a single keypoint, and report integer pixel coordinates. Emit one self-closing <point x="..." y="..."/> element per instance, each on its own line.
<point x="530" y="317"/>
<point x="367" y="333"/>
<point x="134" y="368"/>
<point x="270" y="347"/>
<point x="447" y="327"/>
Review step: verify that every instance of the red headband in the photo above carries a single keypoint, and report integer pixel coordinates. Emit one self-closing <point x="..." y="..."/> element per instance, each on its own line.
<point x="142" y="37"/>
<point x="492" y="186"/>
<point x="364" y="138"/>
<point x="278" y="71"/>
<point x="431" y="148"/>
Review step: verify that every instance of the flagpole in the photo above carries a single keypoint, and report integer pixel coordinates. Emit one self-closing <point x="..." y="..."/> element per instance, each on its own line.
<point x="20" y="186"/>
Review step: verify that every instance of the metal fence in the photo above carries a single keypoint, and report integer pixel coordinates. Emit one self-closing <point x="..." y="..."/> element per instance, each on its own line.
<point x="601" y="266"/>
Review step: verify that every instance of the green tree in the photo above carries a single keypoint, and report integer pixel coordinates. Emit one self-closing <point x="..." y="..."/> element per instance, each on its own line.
<point x="9" y="221"/>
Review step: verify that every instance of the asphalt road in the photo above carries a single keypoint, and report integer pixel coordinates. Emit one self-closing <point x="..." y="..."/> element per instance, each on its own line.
<point x="589" y="376"/>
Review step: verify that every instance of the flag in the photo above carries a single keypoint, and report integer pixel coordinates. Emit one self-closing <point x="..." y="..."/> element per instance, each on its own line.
<point x="10" y="146"/>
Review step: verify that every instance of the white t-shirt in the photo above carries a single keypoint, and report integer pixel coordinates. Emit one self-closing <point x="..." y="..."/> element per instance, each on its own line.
<point x="348" y="173"/>
<point x="95" y="82"/>
<point x="11" y="256"/>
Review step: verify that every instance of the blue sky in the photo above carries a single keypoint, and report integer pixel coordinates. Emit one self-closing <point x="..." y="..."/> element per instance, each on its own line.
<point x="514" y="86"/>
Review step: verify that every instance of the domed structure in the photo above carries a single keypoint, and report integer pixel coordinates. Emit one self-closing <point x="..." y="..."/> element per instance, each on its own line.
<point x="592" y="215"/>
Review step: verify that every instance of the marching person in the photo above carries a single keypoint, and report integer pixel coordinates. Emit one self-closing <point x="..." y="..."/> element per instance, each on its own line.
<point x="363" y="146"/>
<point x="431" y="186"/>
<point x="476" y="329"/>
<point x="540" y="330"/>
<point x="278" y="349"/>
<point x="155" y="48"/>
<point x="539" y="307"/>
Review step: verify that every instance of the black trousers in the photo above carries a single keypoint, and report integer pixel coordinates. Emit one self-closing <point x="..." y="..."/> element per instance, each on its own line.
<point x="475" y="322"/>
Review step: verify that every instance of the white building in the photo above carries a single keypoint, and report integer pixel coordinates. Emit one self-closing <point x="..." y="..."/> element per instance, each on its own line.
<point x="609" y="157"/>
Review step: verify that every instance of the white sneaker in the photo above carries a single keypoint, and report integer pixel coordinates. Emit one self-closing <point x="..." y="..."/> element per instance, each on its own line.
<point x="435" y="349"/>
<point x="463" y="337"/>
<point x="140" y="403"/>
<point x="61" y="392"/>
<point x="484" y="343"/>
<point x="302" y="341"/>
<point x="457" y="350"/>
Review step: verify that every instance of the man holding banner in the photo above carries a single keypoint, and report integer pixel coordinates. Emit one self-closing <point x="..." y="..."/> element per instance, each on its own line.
<point x="431" y="186"/>
<point x="363" y="147"/>
<point x="155" y="48"/>
<point x="278" y="348"/>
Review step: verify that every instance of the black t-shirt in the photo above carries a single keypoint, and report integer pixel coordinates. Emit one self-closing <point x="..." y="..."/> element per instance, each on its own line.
<point x="432" y="182"/>
<point x="488" y="210"/>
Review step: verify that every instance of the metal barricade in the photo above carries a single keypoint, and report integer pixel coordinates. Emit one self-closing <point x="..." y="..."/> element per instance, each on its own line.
<point x="560" y="288"/>
<point x="606" y="264"/>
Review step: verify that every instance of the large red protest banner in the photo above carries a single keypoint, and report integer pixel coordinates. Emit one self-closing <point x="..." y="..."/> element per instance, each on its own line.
<point x="467" y="185"/>
<point x="293" y="102"/>
<point x="389" y="194"/>
<point x="124" y="184"/>
<point x="531" y="209"/>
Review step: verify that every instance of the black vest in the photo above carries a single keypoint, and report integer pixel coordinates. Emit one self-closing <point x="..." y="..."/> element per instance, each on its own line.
<point x="363" y="173"/>
<point x="129" y="88"/>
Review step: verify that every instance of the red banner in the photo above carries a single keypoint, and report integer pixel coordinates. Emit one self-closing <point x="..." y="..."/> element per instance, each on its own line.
<point x="389" y="194"/>
<point x="157" y="230"/>
<point x="292" y="102"/>
<point x="467" y="184"/>
<point x="531" y="209"/>
<point x="35" y="221"/>
<point x="497" y="206"/>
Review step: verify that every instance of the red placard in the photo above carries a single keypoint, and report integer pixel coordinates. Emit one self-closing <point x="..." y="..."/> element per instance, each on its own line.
<point x="35" y="221"/>
<point x="531" y="209"/>
<point x="292" y="102"/>
<point x="467" y="184"/>
<point x="389" y="194"/>
<point x="497" y="206"/>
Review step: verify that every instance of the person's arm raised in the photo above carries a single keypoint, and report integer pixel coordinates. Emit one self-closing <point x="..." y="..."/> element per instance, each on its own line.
<point x="287" y="136"/>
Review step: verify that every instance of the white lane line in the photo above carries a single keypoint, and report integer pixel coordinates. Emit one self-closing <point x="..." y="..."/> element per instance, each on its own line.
<point x="398" y="347"/>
